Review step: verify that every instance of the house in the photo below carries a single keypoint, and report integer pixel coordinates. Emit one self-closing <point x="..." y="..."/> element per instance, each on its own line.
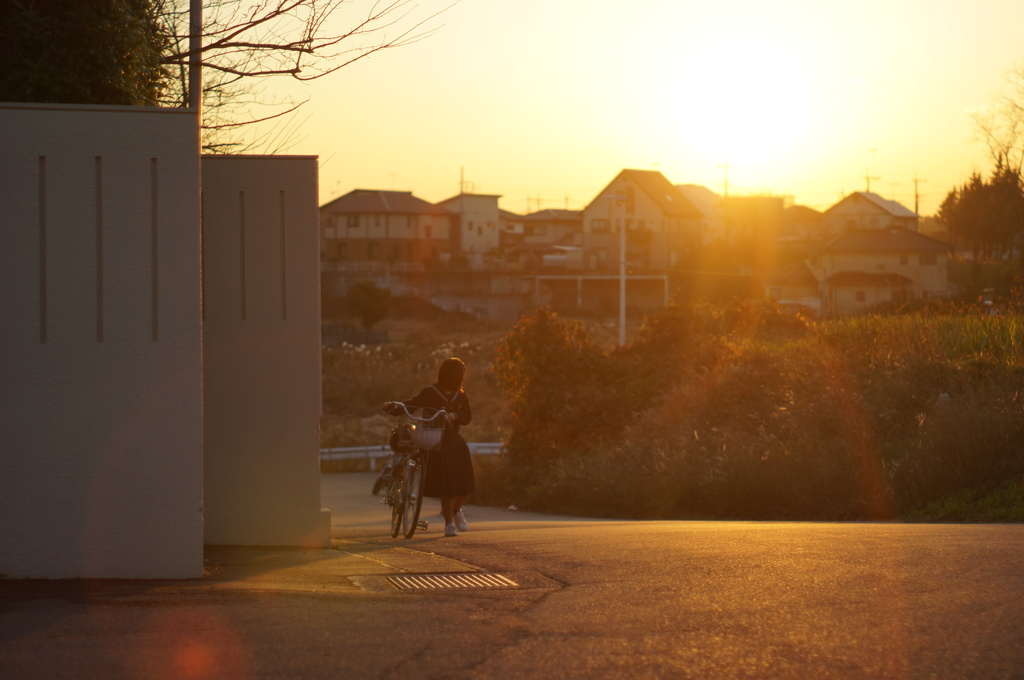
<point x="862" y="268"/>
<point x="476" y="235"/>
<point x="510" y="230"/>
<point x="753" y="226"/>
<point x="800" y="224"/>
<point x="662" y="226"/>
<point x="551" y="238"/>
<point x="374" y="231"/>
<point x="712" y="226"/>
<point x="866" y="210"/>
<point x="796" y="287"/>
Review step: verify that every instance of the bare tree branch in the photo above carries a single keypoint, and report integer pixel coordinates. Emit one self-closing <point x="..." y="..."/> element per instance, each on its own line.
<point x="248" y="40"/>
<point x="1001" y="127"/>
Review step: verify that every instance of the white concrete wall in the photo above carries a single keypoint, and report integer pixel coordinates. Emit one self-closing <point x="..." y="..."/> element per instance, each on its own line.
<point x="262" y="351"/>
<point x="100" y="353"/>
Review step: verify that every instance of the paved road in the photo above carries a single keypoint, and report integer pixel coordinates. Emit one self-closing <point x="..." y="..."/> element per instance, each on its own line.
<point x="751" y="600"/>
<point x="594" y="600"/>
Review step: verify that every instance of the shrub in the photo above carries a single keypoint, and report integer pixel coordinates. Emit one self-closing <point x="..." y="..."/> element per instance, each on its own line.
<point x="742" y="412"/>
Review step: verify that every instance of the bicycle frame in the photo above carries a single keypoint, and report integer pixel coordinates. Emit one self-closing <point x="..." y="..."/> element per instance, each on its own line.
<point x="405" y="490"/>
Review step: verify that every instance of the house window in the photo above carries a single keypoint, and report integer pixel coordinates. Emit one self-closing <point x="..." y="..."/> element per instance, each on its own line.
<point x="926" y="258"/>
<point x="373" y="250"/>
<point x="352" y="220"/>
<point x="427" y="231"/>
<point x="342" y="251"/>
<point x="376" y="220"/>
<point x="396" y="251"/>
<point x="860" y="296"/>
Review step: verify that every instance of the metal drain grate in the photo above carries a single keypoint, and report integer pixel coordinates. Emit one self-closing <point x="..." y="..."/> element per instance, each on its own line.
<point x="436" y="581"/>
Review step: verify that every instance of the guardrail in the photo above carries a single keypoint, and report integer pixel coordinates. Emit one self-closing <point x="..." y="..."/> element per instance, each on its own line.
<point x="372" y="454"/>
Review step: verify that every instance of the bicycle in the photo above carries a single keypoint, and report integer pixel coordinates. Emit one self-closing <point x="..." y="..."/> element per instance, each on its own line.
<point x="411" y="440"/>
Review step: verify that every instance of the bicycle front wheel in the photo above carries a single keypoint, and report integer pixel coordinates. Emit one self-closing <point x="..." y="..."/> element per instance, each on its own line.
<point x="396" y="494"/>
<point x="413" y="496"/>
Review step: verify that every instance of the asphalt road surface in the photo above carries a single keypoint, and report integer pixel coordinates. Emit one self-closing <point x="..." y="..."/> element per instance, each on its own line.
<point x="592" y="599"/>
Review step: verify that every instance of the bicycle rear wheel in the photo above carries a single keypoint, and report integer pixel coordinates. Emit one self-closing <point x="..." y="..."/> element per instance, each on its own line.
<point x="396" y="496"/>
<point x="413" y="495"/>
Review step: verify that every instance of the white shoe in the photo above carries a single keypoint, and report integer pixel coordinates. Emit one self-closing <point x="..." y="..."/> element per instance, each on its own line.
<point x="460" y="521"/>
<point x="449" y="530"/>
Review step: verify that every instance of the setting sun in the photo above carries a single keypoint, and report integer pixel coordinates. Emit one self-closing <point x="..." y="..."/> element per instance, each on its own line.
<point x="753" y="97"/>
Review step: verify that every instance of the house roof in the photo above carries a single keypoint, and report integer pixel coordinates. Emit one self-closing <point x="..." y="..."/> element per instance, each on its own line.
<point x="797" y="275"/>
<point x="704" y="199"/>
<point x="456" y="197"/>
<point x="554" y="215"/>
<point x="362" y="201"/>
<point x="669" y="198"/>
<point x="800" y="214"/>
<point x="885" y="240"/>
<point x="891" y="207"/>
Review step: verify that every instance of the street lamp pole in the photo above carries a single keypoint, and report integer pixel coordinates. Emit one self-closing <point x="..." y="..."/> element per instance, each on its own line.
<point x="622" y="283"/>
<point x="622" y="268"/>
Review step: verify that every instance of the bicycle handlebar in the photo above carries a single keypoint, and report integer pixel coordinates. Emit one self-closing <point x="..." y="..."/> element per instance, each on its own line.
<point x="399" y="405"/>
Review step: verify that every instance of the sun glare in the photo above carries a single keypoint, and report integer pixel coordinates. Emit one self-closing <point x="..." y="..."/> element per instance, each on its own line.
<point x="743" y="98"/>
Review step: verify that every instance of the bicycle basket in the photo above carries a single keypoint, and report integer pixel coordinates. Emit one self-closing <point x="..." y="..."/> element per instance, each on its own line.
<point x="426" y="437"/>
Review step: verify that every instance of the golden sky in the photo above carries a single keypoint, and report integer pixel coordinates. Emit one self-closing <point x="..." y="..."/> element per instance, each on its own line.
<point x="544" y="101"/>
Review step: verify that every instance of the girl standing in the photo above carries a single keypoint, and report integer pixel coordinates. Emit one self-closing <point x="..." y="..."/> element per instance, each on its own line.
<point x="449" y="473"/>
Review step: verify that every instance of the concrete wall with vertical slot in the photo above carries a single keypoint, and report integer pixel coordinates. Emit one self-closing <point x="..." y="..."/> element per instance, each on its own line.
<point x="261" y="327"/>
<point x="100" y="349"/>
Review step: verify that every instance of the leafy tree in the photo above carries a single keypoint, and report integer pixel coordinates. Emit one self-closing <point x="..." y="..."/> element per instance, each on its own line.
<point x="368" y="302"/>
<point x="987" y="214"/>
<point x="81" y="52"/>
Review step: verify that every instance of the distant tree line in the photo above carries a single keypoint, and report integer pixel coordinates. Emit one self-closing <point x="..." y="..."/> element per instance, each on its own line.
<point x="987" y="215"/>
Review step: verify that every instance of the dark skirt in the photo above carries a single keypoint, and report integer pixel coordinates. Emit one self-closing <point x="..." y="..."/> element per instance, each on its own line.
<point x="449" y="469"/>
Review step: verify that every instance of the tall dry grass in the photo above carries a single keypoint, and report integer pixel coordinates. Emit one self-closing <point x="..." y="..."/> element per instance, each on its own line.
<point x="358" y="379"/>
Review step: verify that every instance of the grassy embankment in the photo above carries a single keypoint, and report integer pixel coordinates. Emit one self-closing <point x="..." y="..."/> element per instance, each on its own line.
<point x="735" y="412"/>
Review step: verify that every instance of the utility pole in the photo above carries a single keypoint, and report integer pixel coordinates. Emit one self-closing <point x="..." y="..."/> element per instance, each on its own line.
<point x="725" y="200"/>
<point x="868" y="177"/>
<point x="916" y="195"/>
<point x="195" y="57"/>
